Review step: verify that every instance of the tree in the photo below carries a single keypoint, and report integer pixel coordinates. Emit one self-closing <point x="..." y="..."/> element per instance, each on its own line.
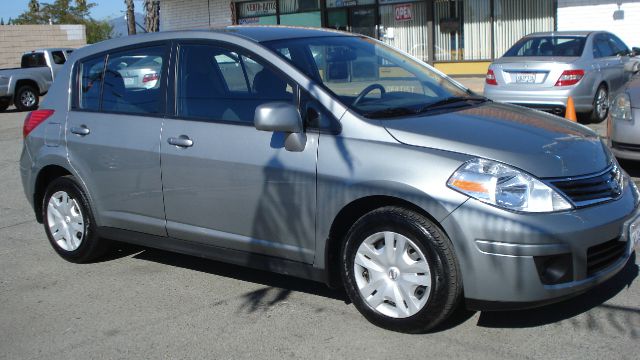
<point x="151" y="15"/>
<point x="131" y="18"/>
<point x="63" y="12"/>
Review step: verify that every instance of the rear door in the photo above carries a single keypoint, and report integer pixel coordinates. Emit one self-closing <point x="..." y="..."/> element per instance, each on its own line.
<point x="113" y="139"/>
<point x="226" y="183"/>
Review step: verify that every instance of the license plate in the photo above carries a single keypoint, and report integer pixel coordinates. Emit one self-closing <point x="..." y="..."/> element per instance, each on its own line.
<point x="128" y="81"/>
<point x="525" y="78"/>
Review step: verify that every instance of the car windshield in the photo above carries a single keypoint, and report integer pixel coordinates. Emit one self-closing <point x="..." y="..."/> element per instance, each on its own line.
<point x="372" y="79"/>
<point x="548" y="46"/>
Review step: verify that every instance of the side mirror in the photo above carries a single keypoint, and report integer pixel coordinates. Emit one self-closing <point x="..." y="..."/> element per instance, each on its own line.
<point x="283" y="117"/>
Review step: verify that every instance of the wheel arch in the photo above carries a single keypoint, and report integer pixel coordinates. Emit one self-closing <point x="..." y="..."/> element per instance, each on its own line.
<point x="347" y="216"/>
<point x="23" y="82"/>
<point x="45" y="176"/>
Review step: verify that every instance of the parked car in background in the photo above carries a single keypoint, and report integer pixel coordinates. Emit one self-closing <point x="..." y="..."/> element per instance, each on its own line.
<point x="543" y="69"/>
<point x="23" y="86"/>
<point x="624" y="121"/>
<point x="409" y="191"/>
<point x="140" y="72"/>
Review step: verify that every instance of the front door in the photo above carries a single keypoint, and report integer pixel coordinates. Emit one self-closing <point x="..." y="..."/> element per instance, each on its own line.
<point x="226" y="183"/>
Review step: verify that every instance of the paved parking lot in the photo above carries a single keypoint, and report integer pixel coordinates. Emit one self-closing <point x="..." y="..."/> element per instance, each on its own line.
<point x="151" y="304"/>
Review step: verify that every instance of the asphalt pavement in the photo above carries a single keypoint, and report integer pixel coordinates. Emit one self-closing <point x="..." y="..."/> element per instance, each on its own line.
<point x="151" y="304"/>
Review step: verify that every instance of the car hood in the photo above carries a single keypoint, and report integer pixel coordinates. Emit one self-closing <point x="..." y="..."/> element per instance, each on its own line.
<point x="633" y="89"/>
<point x="539" y="143"/>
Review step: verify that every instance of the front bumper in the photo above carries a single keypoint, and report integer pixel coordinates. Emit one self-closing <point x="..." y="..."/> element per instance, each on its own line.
<point x="497" y="249"/>
<point x="552" y="100"/>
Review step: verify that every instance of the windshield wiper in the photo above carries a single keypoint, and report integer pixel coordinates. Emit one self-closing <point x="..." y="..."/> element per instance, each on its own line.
<point x="453" y="100"/>
<point x="390" y="112"/>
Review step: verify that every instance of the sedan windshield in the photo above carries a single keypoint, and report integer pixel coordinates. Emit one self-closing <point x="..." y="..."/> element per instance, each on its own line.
<point x="372" y="79"/>
<point x="548" y="46"/>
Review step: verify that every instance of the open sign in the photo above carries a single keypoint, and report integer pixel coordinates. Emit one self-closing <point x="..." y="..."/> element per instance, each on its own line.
<point x="404" y="12"/>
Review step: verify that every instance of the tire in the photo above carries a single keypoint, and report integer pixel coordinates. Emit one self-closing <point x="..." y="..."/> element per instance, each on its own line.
<point x="27" y="98"/>
<point x="69" y="222"/>
<point x="429" y="295"/>
<point x="600" y="105"/>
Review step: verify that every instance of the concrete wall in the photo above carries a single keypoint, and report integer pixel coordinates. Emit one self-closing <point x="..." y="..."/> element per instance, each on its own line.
<point x="622" y="20"/>
<point x="194" y="14"/>
<point x="17" y="39"/>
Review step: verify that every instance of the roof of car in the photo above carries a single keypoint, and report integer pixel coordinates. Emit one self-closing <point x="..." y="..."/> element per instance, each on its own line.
<point x="268" y="33"/>
<point x="562" y="33"/>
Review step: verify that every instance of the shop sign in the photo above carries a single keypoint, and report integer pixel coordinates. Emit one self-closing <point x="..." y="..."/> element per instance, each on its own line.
<point x="247" y="21"/>
<point x="403" y="12"/>
<point x="257" y="8"/>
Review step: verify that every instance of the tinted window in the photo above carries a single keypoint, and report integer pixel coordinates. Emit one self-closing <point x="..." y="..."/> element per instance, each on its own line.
<point x="602" y="47"/>
<point x="90" y="83"/>
<point x="33" y="60"/>
<point x="548" y="46"/>
<point x="132" y="81"/>
<point x="218" y="84"/>
<point x="621" y="48"/>
<point x="58" y="57"/>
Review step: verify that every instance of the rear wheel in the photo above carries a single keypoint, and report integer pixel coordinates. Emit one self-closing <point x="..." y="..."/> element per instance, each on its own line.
<point x="69" y="222"/>
<point x="26" y="98"/>
<point x="400" y="271"/>
<point x="600" y="104"/>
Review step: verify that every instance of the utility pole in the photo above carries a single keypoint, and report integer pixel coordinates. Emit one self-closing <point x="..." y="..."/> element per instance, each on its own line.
<point x="130" y="15"/>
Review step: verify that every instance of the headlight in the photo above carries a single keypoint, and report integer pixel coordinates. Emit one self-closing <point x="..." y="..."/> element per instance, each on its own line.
<point x="621" y="108"/>
<point x="506" y="187"/>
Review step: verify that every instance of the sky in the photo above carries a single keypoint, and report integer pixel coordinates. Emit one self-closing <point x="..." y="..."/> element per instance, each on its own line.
<point x="103" y="10"/>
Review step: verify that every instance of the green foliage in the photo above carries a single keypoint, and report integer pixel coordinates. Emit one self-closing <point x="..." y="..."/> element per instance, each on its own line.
<point x="63" y="12"/>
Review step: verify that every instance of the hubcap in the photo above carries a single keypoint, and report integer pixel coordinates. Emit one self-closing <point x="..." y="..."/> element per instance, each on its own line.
<point x="28" y="99"/>
<point x="65" y="221"/>
<point x="602" y="103"/>
<point x="392" y="274"/>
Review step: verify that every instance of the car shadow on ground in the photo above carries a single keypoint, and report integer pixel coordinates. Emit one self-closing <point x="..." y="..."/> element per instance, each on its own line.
<point x="279" y="287"/>
<point x="631" y="167"/>
<point x="549" y="314"/>
<point x="272" y="280"/>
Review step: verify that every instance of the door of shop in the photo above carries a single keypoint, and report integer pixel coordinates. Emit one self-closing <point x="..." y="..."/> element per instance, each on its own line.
<point x="360" y="20"/>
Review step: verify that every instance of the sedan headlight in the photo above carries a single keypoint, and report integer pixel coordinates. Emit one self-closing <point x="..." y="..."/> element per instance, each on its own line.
<point x="621" y="108"/>
<point x="505" y="187"/>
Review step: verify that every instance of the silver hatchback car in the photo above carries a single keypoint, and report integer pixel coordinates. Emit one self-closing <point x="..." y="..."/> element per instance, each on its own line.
<point x="277" y="148"/>
<point x="543" y="69"/>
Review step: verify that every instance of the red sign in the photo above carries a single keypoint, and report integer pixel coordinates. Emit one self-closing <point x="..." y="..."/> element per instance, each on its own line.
<point x="404" y="12"/>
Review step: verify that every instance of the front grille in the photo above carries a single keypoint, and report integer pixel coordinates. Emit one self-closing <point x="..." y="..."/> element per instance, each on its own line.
<point x="603" y="255"/>
<point x="589" y="190"/>
<point x="625" y="146"/>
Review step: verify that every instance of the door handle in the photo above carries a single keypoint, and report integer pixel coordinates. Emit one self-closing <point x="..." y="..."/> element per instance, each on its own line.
<point x="181" y="141"/>
<point x="81" y="130"/>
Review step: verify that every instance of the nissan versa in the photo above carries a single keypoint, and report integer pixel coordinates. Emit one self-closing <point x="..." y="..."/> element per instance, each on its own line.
<point x="328" y="156"/>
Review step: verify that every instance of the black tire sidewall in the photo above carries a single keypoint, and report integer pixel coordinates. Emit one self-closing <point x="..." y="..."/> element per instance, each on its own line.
<point x="19" y="93"/>
<point x="390" y="219"/>
<point x="87" y="249"/>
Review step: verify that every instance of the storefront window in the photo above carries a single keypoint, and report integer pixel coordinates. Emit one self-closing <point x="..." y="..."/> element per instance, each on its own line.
<point x="257" y="12"/>
<point x="404" y="26"/>
<point x="342" y="3"/>
<point x="300" y="13"/>
<point x="448" y="38"/>
<point x="515" y="19"/>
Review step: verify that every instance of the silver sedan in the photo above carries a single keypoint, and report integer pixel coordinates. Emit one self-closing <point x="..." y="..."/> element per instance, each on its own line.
<point x="543" y="69"/>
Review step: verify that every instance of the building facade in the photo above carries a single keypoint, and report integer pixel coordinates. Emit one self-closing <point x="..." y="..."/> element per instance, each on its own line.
<point x="457" y="36"/>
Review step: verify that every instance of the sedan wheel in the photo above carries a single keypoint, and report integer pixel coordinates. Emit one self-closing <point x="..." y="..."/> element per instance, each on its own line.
<point x="392" y="274"/>
<point x="600" y="104"/>
<point x="65" y="221"/>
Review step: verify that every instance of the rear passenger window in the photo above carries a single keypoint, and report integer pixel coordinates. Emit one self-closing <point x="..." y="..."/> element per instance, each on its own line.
<point x="90" y="83"/>
<point x="58" y="57"/>
<point x="132" y="81"/>
<point x="218" y="84"/>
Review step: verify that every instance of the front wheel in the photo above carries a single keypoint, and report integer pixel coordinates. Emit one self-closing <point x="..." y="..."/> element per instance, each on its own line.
<point x="26" y="98"/>
<point x="400" y="270"/>
<point x="69" y="222"/>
